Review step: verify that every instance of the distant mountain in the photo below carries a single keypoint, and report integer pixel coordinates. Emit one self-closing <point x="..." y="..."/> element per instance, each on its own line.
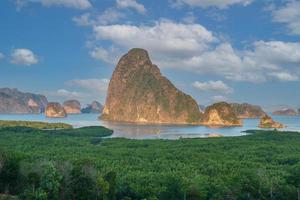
<point x="246" y="110"/>
<point x="72" y="107"/>
<point x="290" y="112"/>
<point x="138" y="92"/>
<point x="13" y="101"/>
<point x="94" y="107"/>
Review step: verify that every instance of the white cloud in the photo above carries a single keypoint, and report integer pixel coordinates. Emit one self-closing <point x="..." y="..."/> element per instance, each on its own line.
<point x="83" y="20"/>
<point x="219" y="98"/>
<point x="110" y="15"/>
<point x="164" y="37"/>
<point x="221" y="4"/>
<point x="67" y="94"/>
<point x="192" y="47"/>
<point x="284" y="76"/>
<point x="77" y="4"/>
<point x="1" y="56"/>
<point x="94" y="85"/>
<point x="131" y="4"/>
<point x="289" y="15"/>
<point x="23" y="57"/>
<point x="109" y="55"/>
<point x="217" y="86"/>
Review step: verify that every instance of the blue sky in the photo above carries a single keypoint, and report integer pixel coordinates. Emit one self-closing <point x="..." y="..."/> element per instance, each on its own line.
<point x="233" y="50"/>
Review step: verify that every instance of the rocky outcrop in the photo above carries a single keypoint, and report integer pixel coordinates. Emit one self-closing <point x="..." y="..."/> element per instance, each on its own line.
<point x="94" y="107"/>
<point x="285" y="112"/>
<point x="13" y="101"/>
<point x="139" y="93"/>
<point x="72" y="107"/>
<point x="220" y="114"/>
<point x="245" y="110"/>
<point x="55" y="110"/>
<point x="267" y="122"/>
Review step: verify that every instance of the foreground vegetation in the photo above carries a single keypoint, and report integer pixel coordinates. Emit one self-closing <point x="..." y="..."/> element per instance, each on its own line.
<point x="37" y="164"/>
<point x="37" y="125"/>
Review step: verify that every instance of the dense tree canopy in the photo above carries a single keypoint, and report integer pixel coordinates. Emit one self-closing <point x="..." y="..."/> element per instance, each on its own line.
<point x="42" y="165"/>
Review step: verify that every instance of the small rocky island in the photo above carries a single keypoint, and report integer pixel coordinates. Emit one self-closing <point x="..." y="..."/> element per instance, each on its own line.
<point x="55" y="110"/>
<point x="94" y="107"/>
<point x="72" y="107"/>
<point x="139" y="93"/>
<point x="220" y="114"/>
<point x="247" y="111"/>
<point x="267" y="122"/>
<point x="285" y="112"/>
<point x="13" y="101"/>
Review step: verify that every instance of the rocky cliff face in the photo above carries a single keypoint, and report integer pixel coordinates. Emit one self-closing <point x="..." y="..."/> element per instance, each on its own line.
<point x="289" y="112"/>
<point x="245" y="110"/>
<point x="55" y="110"/>
<point x="94" y="107"/>
<point x="72" y="107"/>
<point x="220" y="114"/>
<point x="267" y="122"/>
<point x="139" y="93"/>
<point x="12" y="101"/>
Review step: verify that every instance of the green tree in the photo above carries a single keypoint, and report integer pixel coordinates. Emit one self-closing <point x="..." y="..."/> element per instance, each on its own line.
<point x="51" y="181"/>
<point x="110" y="177"/>
<point x="9" y="173"/>
<point x="294" y="178"/>
<point x="82" y="186"/>
<point x="102" y="188"/>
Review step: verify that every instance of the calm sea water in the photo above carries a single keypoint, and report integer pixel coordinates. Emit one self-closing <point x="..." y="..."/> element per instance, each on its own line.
<point x="135" y="131"/>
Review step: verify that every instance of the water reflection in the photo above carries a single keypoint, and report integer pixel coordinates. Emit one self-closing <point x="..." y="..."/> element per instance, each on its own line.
<point x="135" y="131"/>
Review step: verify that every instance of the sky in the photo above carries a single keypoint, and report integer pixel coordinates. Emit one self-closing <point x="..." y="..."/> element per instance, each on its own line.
<point x="214" y="50"/>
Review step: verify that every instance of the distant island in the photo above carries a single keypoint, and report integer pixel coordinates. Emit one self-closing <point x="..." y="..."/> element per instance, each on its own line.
<point x="139" y="93"/>
<point x="286" y="112"/>
<point x="13" y="101"/>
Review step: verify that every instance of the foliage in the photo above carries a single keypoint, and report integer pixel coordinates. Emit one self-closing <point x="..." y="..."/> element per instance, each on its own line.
<point x="263" y="165"/>
<point x="37" y="125"/>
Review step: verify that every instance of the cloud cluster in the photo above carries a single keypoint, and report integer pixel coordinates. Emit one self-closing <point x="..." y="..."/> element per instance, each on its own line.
<point x="192" y="47"/>
<point x="289" y="15"/>
<point x="93" y="85"/>
<point x="131" y="4"/>
<point x="109" y="15"/>
<point x="165" y="37"/>
<point x="221" y="4"/>
<point x="23" y="57"/>
<point x="77" y="4"/>
<point x="216" y="86"/>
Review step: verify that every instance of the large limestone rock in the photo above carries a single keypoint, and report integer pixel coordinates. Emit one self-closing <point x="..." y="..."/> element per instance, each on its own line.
<point x="138" y="92"/>
<point x="220" y="114"/>
<point x="245" y="110"/>
<point x="55" y="110"/>
<point x="72" y="107"/>
<point x="285" y="112"/>
<point x="267" y="122"/>
<point x="13" y="101"/>
<point x="94" y="107"/>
